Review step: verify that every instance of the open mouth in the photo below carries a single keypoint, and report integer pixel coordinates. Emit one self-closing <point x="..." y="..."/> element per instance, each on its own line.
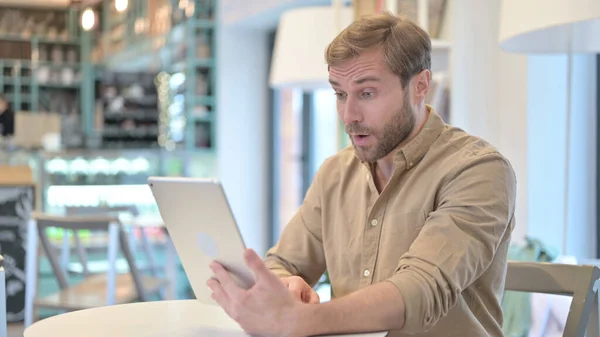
<point x="360" y="139"/>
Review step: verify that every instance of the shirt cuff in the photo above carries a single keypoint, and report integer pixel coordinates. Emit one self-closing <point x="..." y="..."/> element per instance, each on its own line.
<point x="415" y="294"/>
<point x="277" y="269"/>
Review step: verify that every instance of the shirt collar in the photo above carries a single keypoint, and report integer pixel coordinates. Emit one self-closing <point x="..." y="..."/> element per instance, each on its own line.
<point x="416" y="149"/>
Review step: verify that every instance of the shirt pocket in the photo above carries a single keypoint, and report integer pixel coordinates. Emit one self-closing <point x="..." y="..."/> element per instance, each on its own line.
<point x="402" y="222"/>
<point x="398" y="233"/>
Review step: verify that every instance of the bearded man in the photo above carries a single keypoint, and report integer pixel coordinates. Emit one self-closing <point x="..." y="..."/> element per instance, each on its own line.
<point x="412" y="223"/>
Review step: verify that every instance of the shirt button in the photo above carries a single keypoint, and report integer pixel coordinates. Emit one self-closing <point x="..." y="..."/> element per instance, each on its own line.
<point x="367" y="272"/>
<point x="374" y="222"/>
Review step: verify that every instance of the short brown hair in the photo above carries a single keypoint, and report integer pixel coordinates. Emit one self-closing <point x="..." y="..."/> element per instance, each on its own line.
<point x="406" y="46"/>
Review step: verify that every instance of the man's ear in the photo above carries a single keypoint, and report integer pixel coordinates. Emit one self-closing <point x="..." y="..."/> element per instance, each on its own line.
<point x="421" y="83"/>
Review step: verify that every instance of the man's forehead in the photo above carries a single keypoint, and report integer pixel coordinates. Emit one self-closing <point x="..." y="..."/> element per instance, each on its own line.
<point x="358" y="73"/>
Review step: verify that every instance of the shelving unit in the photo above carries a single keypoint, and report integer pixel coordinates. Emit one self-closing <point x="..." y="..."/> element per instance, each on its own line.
<point x="42" y="59"/>
<point x="127" y="111"/>
<point x="183" y="47"/>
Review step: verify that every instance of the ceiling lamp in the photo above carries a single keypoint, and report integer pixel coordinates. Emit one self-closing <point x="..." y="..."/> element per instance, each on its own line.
<point x="88" y="19"/>
<point x="121" y="5"/>
<point x="302" y="37"/>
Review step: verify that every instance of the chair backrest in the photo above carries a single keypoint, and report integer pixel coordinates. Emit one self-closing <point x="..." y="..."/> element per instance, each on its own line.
<point x="98" y="210"/>
<point x="578" y="281"/>
<point x="107" y="223"/>
<point x="94" y="210"/>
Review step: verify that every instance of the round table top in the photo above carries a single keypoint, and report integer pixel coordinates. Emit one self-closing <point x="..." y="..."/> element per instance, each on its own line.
<point x="181" y="318"/>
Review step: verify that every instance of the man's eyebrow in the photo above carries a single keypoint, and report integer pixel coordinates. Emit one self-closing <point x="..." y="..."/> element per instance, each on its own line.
<point x="367" y="79"/>
<point x="358" y="81"/>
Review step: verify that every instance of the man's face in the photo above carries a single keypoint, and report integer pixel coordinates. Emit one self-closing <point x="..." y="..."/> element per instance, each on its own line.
<point x="371" y="102"/>
<point x="3" y="105"/>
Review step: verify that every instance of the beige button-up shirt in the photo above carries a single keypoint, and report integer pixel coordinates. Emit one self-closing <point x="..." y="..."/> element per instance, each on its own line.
<point x="439" y="231"/>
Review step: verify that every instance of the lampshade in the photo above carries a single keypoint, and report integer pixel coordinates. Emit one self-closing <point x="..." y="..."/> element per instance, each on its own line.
<point x="299" y="52"/>
<point x="543" y="26"/>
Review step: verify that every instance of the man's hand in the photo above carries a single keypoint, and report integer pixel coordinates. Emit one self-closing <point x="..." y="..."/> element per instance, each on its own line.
<point x="267" y="309"/>
<point x="301" y="290"/>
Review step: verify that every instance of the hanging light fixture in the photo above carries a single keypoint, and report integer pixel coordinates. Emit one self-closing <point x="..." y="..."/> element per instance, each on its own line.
<point x="88" y="19"/>
<point x="302" y="36"/>
<point x="121" y="5"/>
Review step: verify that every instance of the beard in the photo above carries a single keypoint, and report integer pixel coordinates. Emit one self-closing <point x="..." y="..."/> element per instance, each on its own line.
<point x="396" y="130"/>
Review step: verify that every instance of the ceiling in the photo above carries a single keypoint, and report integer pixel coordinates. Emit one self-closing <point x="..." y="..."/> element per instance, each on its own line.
<point x="260" y="14"/>
<point x="44" y="3"/>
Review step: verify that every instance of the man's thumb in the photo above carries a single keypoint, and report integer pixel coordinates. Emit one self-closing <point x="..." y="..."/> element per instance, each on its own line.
<point x="256" y="264"/>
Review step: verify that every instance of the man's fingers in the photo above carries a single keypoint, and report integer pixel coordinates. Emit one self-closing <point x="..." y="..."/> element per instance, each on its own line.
<point x="297" y="292"/>
<point x="218" y="294"/>
<point x="225" y="280"/>
<point x="314" y="298"/>
<point x="258" y="266"/>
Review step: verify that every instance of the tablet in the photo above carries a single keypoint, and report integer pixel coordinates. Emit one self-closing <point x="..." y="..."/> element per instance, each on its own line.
<point x="203" y="229"/>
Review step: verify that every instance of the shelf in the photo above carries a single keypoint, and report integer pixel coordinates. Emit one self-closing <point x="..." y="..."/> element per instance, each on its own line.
<point x="203" y="119"/>
<point x="44" y="40"/>
<point x="205" y="63"/>
<point x="137" y="133"/>
<point x="205" y="100"/>
<point x="22" y="81"/>
<point x="59" y="86"/>
<point x="138" y="115"/>
<point x="198" y="63"/>
<point x="204" y="23"/>
<point x="33" y="64"/>
<point x="25" y="98"/>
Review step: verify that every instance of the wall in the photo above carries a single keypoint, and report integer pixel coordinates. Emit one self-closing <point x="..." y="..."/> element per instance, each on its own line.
<point x="242" y="100"/>
<point x="490" y="91"/>
<point x="547" y="138"/>
<point x="518" y="103"/>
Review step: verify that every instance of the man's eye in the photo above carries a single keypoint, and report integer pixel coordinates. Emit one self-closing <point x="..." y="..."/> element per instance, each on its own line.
<point x="368" y="94"/>
<point x="340" y="95"/>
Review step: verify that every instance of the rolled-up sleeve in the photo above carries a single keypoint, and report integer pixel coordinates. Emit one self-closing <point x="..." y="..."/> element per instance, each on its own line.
<point x="459" y="239"/>
<point x="299" y="251"/>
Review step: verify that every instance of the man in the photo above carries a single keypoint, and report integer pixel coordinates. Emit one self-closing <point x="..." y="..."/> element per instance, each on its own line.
<point x="412" y="224"/>
<point x="7" y="118"/>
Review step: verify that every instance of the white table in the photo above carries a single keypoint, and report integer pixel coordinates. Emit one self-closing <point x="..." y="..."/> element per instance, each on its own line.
<point x="185" y="318"/>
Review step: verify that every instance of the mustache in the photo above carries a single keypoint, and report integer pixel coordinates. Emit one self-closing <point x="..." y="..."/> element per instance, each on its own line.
<point x="356" y="128"/>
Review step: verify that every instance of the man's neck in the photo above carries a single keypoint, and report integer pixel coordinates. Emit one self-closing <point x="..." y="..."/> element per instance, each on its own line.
<point x="384" y="167"/>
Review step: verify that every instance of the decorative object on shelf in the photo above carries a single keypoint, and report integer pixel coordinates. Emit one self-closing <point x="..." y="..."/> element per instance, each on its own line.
<point x="27" y="23"/>
<point x="130" y="104"/>
<point x="430" y="13"/>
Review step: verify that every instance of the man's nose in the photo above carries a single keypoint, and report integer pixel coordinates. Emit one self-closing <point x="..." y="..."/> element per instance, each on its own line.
<point x="350" y="113"/>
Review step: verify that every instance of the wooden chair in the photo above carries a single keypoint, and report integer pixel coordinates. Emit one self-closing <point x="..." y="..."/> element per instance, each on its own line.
<point x="3" y="327"/>
<point x="95" y="290"/>
<point x="580" y="282"/>
<point x="81" y="252"/>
